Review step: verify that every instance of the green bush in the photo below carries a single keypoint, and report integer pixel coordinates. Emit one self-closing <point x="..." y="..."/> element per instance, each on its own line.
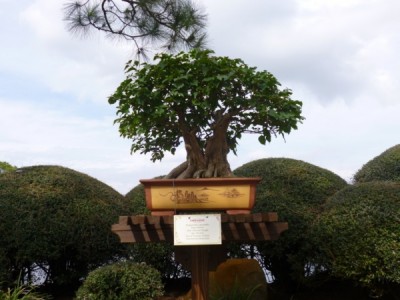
<point x="158" y="255"/>
<point x="385" y="166"/>
<point x="6" y="167"/>
<point x="121" y="281"/>
<point x="296" y="190"/>
<point x="136" y="200"/>
<point x="21" y="292"/>
<point x="359" y="231"/>
<point x="59" y="220"/>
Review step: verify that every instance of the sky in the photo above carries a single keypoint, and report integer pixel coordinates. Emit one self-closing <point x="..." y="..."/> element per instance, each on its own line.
<point x="337" y="56"/>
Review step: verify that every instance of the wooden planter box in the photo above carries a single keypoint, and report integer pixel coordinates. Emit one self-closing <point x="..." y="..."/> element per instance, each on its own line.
<point x="205" y="194"/>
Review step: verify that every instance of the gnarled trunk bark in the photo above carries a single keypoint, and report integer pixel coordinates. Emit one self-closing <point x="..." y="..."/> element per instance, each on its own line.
<point x="217" y="150"/>
<point x="212" y="162"/>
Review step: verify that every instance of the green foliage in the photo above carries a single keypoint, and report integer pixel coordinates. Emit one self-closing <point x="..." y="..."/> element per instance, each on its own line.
<point x="121" y="281"/>
<point x="6" y="167"/>
<point x="157" y="255"/>
<point x="359" y="232"/>
<point x="296" y="190"/>
<point x="136" y="200"/>
<point x="57" y="220"/>
<point x="21" y="292"/>
<point x="189" y="93"/>
<point x="170" y="24"/>
<point x="385" y="166"/>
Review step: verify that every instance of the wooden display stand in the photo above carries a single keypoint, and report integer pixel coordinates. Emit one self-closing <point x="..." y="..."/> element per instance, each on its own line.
<point x="200" y="259"/>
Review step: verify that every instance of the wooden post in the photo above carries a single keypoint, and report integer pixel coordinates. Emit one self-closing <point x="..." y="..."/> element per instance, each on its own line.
<point x="197" y="259"/>
<point x="199" y="269"/>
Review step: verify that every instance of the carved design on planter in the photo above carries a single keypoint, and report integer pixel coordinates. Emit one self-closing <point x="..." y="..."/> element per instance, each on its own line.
<point x="200" y="194"/>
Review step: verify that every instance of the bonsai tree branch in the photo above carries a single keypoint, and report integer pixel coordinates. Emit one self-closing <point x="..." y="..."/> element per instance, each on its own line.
<point x="205" y="102"/>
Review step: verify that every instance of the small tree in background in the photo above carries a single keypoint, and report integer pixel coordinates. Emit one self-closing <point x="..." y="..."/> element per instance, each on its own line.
<point x="204" y="101"/>
<point x="169" y="24"/>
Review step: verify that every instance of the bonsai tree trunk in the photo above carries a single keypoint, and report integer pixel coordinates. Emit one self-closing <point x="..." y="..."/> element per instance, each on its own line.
<point x="213" y="161"/>
<point x="217" y="150"/>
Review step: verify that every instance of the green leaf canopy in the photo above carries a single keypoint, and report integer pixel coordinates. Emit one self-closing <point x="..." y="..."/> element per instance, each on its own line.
<point x="201" y="95"/>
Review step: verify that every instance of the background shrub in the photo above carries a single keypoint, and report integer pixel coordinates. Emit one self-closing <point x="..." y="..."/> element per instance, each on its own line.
<point x="57" y="222"/>
<point x="136" y="200"/>
<point x="6" y="167"/>
<point x="359" y="232"/>
<point x="296" y="190"/>
<point x="121" y="281"/>
<point x="385" y="166"/>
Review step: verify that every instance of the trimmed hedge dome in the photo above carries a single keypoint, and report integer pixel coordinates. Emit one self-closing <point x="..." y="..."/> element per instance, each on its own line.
<point x="57" y="217"/>
<point x="296" y="190"/>
<point x="136" y="199"/>
<point x="360" y="230"/>
<point x="289" y="181"/>
<point x="385" y="166"/>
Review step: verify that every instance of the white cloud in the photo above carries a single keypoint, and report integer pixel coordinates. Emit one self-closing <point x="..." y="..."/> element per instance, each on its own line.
<point x="320" y="44"/>
<point x="338" y="136"/>
<point x="338" y="57"/>
<point x="88" y="68"/>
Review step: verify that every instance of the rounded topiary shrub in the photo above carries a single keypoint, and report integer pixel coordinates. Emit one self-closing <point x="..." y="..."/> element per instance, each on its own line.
<point x="59" y="220"/>
<point x="296" y="190"/>
<point x="136" y="200"/>
<point x="122" y="281"/>
<point x="385" y="166"/>
<point x="359" y="232"/>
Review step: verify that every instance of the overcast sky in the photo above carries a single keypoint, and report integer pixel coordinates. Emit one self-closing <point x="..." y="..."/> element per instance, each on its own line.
<point x="338" y="56"/>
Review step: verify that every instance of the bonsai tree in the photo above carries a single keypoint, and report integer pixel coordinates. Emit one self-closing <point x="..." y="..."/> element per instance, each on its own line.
<point x="204" y="101"/>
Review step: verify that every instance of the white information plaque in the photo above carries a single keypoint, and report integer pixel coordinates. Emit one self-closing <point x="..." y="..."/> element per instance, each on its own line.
<point x="198" y="229"/>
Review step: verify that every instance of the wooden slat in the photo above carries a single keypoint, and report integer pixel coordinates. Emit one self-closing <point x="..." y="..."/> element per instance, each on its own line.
<point x="123" y="220"/>
<point x="160" y="232"/>
<point x="234" y="231"/>
<point x="120" y="227"/>
<point x="265" y="217"/>
<point x="264" y="231"/>
<point x="167" y="220"/>
<point x="140" y="219"/>
<point x="153" y="219"/>
<point x="249" y="231"/>
<point x="126" y="236"/>
<point x="145" y="232"/>
<point x="255" y="227"/>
